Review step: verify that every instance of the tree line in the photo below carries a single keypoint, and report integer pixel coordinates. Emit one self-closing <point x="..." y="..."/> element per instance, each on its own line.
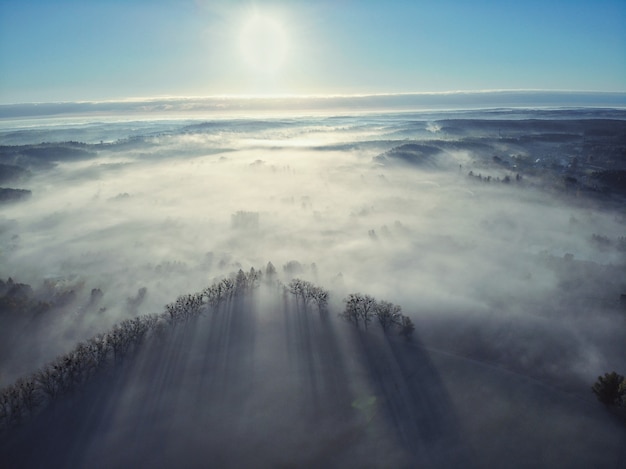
<point x="31" y="394"/>
<point x="308" y="293"/>
<point x="362" y="309"/>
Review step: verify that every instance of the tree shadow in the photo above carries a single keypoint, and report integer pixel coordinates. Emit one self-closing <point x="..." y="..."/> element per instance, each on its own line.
<point x="239" y="392"/>
<point x="414" y="400"/>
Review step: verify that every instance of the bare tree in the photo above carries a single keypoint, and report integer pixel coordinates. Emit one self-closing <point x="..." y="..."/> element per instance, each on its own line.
<point x="16" y="403"/>
<point x="320" y="297"/>
<point x="5" y="407"/>
<point x="387" y="314"/>
<point x="212" y="296"/>
<point x="119" y="341"/>
<point x="359" y="309"/>
<point x="270" y="273"/>
<point x="298" y="288"/>
<point x="188" y="306"/>
<point x="219" y="292"/>
<point x="27" y="389"/>
<point x="48" y="381"/>
<point x="98" y="349"/>
<point x="406" y="327"/>
<point x="227" y="288"/>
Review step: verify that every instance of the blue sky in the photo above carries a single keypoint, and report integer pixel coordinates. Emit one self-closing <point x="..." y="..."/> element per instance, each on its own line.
<point x="102" y="50"/>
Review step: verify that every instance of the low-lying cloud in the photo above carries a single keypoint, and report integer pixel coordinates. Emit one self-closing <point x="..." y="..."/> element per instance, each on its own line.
<point x="504" y="269"/>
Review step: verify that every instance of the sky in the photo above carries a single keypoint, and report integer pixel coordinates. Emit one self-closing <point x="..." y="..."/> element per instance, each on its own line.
<point x="65" y="50"/>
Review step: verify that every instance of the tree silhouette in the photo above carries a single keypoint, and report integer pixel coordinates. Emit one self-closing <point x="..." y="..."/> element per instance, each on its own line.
<point x="362" y="308"/>
<point x="387" y="314"/>
<point x="610" y="389"/>
<point x="406" y="327"/>
<point x="254" y="278"/>
<point x="308" y="293"/>
<point x="270" y="273"/>
<point x="320" y="297"/>
<point x="359" y="309"/>
<point x="48" y="380"/>
<point x="241" y="283"/>
<point x="298" y="288"/>
<point x="64" y="374"/>
<point x="5" y="406"/>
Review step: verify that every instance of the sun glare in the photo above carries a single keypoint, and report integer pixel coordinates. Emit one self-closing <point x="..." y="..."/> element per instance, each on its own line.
<point x="263" y="44"/>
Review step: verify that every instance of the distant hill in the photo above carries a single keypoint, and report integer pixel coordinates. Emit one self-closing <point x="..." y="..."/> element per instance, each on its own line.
<point x="415" y="154"/>
<point x="44" y="153"/>
<point x="13" y="195"/>
<point x="614" y="180"/>
<point x="10" y="173"/>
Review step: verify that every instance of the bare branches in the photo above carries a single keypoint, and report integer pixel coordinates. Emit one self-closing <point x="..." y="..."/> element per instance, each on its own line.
<point x="406" y="327"/>
<point x="74" y="368"/>
<point x="320" y="297"/>
<point x="185" y="307"/>
<point x="360" y="309"/>
<point x="387" y="314"/>
<point x="219" y="292"/>
<point x="88" y="358"/>
<point x="309" y="293"/>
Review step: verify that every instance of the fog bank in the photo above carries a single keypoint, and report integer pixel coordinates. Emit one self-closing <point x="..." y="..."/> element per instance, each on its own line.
<point x="492" y="230"/>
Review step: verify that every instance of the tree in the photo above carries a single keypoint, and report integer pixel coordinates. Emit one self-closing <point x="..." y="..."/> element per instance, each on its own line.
<point x="387" y="314"/>
<point x="119" y="341"/>
<point x="406" y="327"/>
<point x="212" y="294"/>
<point x="320" y="297"/>
<point x="298" y="288"/>
<point x="309" y="293"/>
<point x="48" y="380"/>
<point x="188" y="306"/>
<point x="98" y="349"/>
<point x="5" y="406"/>
<point x="27" y="389"/>
<point x="270" y="273"/>
<point x="254" y="278"/>
<point x="610" y="389"/>
<point x="350" y="313"/>
<point x="292" y="268"/>
<point x="217" y="293"/>
<point x="16" y="403"/>
<point x="226" y="288"/>
<point x="241" y="283"/>
<point x="359" y="309"/>
<point x="622" y="393"/>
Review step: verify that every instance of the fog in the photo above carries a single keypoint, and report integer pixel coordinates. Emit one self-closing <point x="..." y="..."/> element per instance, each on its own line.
<point x="508" y="288"/>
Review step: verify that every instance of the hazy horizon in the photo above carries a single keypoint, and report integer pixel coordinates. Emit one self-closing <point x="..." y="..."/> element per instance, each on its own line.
<point x="447" y="177"/>
<point x="492" y="229"/>
<point x="302" y="105"/>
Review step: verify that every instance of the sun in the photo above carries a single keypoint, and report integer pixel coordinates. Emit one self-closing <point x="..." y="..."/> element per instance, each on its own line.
<point x="263" y="44"/>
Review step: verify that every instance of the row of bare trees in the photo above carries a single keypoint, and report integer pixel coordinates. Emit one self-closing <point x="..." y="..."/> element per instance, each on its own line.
<point x="309" y="293"/>
<point x="362" y="309"/>
<point x="32" y="393"/>
<point x="29" y="394"/>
